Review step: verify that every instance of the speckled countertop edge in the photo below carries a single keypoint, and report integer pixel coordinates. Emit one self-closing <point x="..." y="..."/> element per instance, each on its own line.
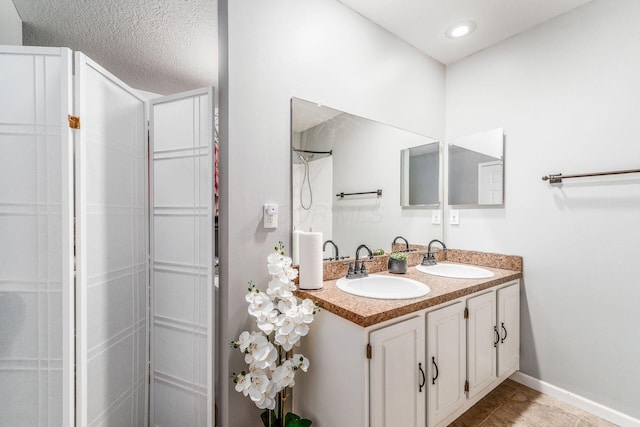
<point x="368" y="311"/>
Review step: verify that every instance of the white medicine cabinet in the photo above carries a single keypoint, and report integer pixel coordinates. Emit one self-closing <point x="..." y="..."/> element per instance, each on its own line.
<point x="106" y="278"/>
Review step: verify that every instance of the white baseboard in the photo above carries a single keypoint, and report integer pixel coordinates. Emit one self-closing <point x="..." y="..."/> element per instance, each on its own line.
<point x="580" y="402"/>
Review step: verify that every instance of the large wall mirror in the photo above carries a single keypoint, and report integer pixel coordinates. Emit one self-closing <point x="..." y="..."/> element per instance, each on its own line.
<point x="476" y="170"/>
<point x="347" y="179"/>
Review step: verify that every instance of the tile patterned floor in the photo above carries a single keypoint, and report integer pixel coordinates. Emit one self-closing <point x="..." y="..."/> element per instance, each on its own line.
<point x="512" y="404"/>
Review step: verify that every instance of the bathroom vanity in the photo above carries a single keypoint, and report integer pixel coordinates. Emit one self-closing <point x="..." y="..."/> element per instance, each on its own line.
<point x="412" y="362"/>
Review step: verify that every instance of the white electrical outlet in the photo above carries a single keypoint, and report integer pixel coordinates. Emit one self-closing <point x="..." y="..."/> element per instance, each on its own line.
<point x="270" y="215"/>
<point x="454" y="217"/>
<point x="436" y="217"/>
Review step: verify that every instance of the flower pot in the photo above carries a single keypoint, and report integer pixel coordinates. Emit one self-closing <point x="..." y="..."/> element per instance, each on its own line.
<point x="397" y="266"/>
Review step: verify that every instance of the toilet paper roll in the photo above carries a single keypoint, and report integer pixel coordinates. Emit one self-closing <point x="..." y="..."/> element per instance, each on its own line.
<point x="310" y="260"/>
<point x="295" y="247"/>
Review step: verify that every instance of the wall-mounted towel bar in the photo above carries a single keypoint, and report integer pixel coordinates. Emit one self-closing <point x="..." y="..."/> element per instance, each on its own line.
<point x="330" y="152"/>
<point x="377" y="192"/>
<point x="557" y="178"/>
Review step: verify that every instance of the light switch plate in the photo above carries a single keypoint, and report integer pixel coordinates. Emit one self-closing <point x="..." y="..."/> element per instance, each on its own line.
<point x="436" y="217"/>
<point x="454" y="217"/>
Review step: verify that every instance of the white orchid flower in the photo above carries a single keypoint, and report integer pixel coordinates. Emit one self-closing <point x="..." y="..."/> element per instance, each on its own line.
<point x="284" y="375"/>
<point x="307" y="310"/>
<point x="259" y="383"/>
<point x="261" y="306"/>
<point x="261" y="354"/>
<point x="244" y="340"/>
<point x="268" y="323"/>
<point x="243" y="382"/>
<point x="292" y="273"/>
<point x="300" y="362"/>
<point x="280" y="289"/>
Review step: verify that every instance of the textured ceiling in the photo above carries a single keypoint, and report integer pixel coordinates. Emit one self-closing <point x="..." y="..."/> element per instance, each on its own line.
<point x="162" y="46"/>
<point x="167" y="46"/>
<point x="423" y="23"/>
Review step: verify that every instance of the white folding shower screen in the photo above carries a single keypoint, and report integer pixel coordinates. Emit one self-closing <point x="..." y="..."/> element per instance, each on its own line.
<point x="111" y="249"/>
<point x="181" y="291"/>
<point x="100" y="378"/>
<point x="36" y="238"/>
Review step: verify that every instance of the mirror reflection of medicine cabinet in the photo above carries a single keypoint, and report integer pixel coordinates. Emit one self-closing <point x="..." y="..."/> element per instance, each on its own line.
<point x="420" y="176"/>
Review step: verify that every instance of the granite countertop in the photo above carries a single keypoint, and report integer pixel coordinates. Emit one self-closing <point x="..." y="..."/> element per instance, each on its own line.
<point x="368" y="311"/>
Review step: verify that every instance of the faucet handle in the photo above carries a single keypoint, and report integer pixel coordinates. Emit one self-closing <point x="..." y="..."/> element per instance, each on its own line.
<point x="363" y="268"/>
<point x="429" y="259"/>
<point x="350" y="272"/>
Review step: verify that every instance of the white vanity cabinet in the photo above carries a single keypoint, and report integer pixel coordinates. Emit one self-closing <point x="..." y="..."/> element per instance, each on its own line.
<point x="493" y="336"/>
<point x="482" y="341"/>
<point x="421" y="369"/>
<point x="446" y="351"/>
<point x="363" y="376"/>
<point x="491" y="351"/>
<point x="509" y="329"/>
<point x="397" y="374"/>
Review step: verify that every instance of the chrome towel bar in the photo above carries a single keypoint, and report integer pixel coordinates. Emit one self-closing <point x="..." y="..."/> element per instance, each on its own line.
<point x="557" y="178"/>
<point x="377" y="192"/>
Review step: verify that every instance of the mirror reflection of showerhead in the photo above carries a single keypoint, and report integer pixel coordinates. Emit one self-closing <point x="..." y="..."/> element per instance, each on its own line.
<point x="306" y="179"/>
<point x="305" y="159"/>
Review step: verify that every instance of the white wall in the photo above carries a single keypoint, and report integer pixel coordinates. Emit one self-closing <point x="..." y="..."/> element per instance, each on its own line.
<point x="568" y="96"/>
<point x="10" y="24"/>
<point x="270" y="51"/>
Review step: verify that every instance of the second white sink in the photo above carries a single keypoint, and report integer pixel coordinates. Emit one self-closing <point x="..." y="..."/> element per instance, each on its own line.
<point x="383" y="287"/>
<point x="456" y="271"/>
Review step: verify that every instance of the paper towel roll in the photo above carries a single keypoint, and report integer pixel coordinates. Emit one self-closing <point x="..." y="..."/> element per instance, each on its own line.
<point x="310" y="260"/>
<point x="295" y="247"/>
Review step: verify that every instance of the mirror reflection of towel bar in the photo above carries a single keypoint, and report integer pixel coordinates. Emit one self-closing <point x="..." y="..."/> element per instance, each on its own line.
<point x="557" y="178"/>
<point x="377" y="192"/>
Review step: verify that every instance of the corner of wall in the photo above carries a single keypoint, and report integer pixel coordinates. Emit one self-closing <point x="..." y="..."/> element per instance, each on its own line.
<point x="10" y="24"/>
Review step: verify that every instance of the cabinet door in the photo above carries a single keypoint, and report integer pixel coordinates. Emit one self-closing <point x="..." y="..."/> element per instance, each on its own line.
<point x="509" y="328"/>
<point x="446" y="361"/>
<point x="482" y="340"/>
<point x="397" y="398"/>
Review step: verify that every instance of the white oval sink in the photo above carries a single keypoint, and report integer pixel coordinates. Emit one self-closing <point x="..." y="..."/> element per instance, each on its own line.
<point x="456" y="271"/>
<point x="383" y="287"/>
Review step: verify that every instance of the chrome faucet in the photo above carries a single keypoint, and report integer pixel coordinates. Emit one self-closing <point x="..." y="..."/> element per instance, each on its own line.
<point x="359" y="270"/>
<point x="429" y="258"/>
<point x="335" y="247"/>
<point x="406" y="243"/>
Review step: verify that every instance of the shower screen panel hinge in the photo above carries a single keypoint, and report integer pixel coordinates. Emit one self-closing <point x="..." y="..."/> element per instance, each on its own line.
<point x="369" y="351"/>
<point x="74" y="122"/>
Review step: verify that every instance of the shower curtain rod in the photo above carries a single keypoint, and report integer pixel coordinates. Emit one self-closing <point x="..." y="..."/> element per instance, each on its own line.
<point x="557" y="178"/>
<point x="314" y="152"/>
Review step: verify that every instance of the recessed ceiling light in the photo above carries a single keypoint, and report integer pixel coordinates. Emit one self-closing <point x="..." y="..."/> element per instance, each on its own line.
<point x="461" y="29"/>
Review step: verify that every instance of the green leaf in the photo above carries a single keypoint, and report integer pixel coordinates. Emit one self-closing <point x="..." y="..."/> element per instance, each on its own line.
<point x="290" y="417"/>
<point x="293" y="420"/>
<point x="299" y="423"/>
